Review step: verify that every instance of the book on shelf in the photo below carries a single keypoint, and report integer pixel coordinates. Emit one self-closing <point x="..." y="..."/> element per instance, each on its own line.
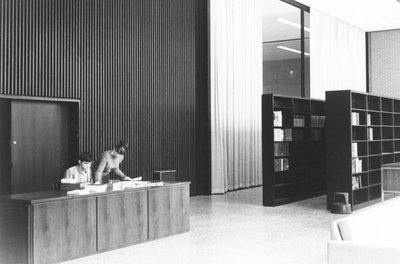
<point x="288" y="134"/>
<point x="278" y="118"/>
<point x="278" y="134"/>
<point x="356" y="182"/>
<point x="356" y="165"/>
<point x="317" y="121"/>
<point x="355" y="118"/>
<point x="370" y="133"/>
<point x="282" y="134"/>
<point x="298" y="121"/>
<point x="368" y="119"/>
<point x="281" y="149"/>
<point x="354" y="150"/>
<point x="281" y="164"/>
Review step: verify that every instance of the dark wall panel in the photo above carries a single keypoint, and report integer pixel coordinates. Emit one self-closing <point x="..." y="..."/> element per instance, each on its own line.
<point x="203" y="128"/>
<point x="130" y="62"/>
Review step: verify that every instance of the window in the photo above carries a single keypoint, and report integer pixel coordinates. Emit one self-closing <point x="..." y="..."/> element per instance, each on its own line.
<point x="286" y="49"/>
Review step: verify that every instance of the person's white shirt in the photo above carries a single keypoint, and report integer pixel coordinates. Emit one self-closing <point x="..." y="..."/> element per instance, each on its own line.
<point x="79" y="174"/>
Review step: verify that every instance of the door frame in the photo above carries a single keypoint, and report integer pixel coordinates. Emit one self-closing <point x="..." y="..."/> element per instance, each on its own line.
<point x="74" y="108"/>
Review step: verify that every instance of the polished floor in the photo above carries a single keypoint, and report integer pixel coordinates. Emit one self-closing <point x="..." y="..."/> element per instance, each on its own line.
<point x="236" y="228"/>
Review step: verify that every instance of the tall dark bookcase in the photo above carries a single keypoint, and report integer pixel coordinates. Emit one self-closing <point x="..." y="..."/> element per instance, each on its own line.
<point x="293" y="146"/>
<point x="362" y="133"/>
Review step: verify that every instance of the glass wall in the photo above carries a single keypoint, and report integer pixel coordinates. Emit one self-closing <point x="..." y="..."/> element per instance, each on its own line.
<point x="286" y="50"/>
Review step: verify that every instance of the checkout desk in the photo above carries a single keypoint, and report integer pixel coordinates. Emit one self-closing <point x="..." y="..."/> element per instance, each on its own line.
<point x="49" y="227"/>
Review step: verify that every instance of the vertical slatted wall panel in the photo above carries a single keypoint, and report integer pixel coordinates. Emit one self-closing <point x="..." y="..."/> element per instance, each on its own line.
<point x="130" y="62"/>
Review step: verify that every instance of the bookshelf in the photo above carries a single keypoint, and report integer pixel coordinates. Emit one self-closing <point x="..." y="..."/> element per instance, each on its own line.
<point x="293" y="146"/>
<point x="362" y="133"/>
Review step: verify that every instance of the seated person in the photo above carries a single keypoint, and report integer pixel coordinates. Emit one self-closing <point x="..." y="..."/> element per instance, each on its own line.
<point x="81" y="173"/>
<point x="109" y="161"/>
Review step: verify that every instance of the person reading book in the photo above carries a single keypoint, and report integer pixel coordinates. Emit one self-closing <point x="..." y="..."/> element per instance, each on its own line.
<point x="81" y="173"/>
<point x="109" y="161"/>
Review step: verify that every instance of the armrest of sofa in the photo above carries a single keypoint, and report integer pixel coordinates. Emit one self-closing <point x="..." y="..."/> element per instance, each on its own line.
<point x="349" y="252"/>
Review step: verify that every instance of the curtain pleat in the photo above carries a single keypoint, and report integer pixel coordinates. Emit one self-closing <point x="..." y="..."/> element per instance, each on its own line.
<point x="338" y="55"/>
<point x="235" y="94"/>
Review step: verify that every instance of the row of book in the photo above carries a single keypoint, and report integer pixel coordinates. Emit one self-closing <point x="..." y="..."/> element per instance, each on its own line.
<point x="281" y="164"/>
<point x="356" y="165"/>
<point x="281" y="149"/>
<point x="355" y="119"/>
<point x="357" y="182"/>
<point x="283" y="134"/>
<point x="317" y="121"/>
<point x="299" y="121"/>
<point x="297" y="135"/>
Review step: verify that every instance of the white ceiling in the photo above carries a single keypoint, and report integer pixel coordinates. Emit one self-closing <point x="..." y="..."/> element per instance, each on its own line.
<point x="368" y="15"/>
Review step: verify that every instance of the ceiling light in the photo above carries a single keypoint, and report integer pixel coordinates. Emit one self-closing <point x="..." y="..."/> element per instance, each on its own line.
<point x="290" y="23"/>
<point x="292" y="50"/>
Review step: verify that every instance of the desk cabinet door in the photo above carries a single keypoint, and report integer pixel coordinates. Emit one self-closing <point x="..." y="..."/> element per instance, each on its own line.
<point x="168" y="211"/>
<point x="122" y="219"/>
<point x="64" y="230"/>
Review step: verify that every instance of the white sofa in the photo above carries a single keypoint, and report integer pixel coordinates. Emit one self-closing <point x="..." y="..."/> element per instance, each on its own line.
<point x="370" y="235"/>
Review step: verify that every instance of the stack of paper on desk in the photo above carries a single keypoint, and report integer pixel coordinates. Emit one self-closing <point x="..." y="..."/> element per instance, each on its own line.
<point x="133" y="184"/>
<point x="78" y="192"/>
<point x="116" y="186"/>
<point x="139" y="184"/>
<point x="152" y="184"/>
<point x="96" y="187"/>
<point x="68" y="180"/>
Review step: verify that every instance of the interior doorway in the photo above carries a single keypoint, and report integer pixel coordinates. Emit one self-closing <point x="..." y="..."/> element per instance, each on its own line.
<point x="40" y="140"/>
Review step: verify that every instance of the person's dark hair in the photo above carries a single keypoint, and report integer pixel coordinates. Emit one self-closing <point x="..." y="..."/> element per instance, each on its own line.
<point x="122" y="146"/>
<point x="85" y="156"/>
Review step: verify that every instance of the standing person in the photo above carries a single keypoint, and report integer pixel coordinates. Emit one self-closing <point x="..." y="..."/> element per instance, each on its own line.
<point x="81" y="172"/>
<point x="109" y="161"/>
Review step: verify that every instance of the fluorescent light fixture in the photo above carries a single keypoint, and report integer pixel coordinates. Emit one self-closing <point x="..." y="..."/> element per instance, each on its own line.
<point x="290" y="23"/>
<point x="292" y="50"/>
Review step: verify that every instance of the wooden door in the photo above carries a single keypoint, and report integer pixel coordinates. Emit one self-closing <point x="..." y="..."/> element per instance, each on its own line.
<point x="39" y="144"/>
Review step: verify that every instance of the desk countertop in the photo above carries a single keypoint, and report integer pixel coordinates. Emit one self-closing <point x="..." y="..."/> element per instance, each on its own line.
<point x="56" y="195"/>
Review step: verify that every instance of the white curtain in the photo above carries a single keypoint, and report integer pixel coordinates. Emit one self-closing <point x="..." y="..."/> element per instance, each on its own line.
<point x="338" y="55"/>
<point x="235" y="94"/>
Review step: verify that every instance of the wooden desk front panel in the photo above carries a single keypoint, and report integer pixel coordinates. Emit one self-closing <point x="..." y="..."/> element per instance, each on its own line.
<point x="168" y="211"/>
<point x="64" y="230"/>
<point x="122" y="219"/>
<point x="14" y="232"/>
<point x="391" y="179"/>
